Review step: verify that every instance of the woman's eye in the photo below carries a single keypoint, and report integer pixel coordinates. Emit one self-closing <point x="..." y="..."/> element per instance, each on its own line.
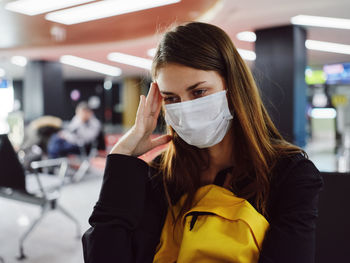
<point x="199" y="92"/>
<point x="168" y="100"/>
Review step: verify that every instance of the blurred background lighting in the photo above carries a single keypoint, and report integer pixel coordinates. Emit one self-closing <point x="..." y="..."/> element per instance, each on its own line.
<point x="35" y="7"/>
<point x="75" y="95"/>
<point x="94" y="102"/>
<point x="130" y="60"/>
<point x="103" y="9"/>
<point x="320" y="100"/>
<point x="90" y="65"/>
<point x="19" y="61"/>
<point x="323" y="113"/>
<point x="334" y="69"/>
<point x="151" y="52"/>
<point x="313" y="77"/>
<point x="107" y="84"/>
<point x="246" y="36"/>
<point x="327" y="47"/>
<point x="321" y="21"/>
<point x="2" y="72"/>
<point x="247" y="54"/>
<point x="6" y="103"/>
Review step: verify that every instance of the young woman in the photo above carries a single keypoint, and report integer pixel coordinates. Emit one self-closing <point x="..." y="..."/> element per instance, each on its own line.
<point x="228" y="187"/>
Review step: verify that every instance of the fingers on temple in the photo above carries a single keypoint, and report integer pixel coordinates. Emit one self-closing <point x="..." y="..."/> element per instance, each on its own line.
<point x="150" y="100"/>
<point x="157" y="103"/>
<point x="140" y="109"/>
<point x="153" y="102"/>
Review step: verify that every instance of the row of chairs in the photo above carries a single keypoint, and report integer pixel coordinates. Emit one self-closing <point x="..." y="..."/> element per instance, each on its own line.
<point x="32" y="186"/>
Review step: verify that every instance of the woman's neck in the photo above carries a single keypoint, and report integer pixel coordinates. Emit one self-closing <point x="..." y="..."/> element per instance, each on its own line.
<point x="221" y="157"/>
<point x="221" y="154"/>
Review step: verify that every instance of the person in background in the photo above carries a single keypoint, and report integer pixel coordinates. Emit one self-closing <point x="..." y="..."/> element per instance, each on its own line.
<point x="36" y="137"/>
<point x="40" y="130"/>
<point x="228" y="187"/>
<point x="82" y="130"/>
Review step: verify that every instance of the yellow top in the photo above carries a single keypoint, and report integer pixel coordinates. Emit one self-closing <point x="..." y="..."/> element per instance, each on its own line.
<point x="233" y="232"/>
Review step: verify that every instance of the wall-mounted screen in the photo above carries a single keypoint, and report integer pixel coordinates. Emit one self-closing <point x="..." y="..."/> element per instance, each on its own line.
<point x="337" y="73"/>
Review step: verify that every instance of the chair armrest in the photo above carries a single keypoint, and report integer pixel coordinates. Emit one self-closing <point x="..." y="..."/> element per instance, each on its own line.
<point x="47" y="163"/>
<point x="61" y="162"/>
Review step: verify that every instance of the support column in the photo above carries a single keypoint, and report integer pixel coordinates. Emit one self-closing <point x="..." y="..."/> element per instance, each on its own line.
<point x="43" y="92"/>
<point x="280" y="73"/>
<point x="130" y="100"/>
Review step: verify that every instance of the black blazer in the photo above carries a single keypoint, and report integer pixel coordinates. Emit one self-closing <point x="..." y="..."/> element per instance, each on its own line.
<point x="127" y="220"/>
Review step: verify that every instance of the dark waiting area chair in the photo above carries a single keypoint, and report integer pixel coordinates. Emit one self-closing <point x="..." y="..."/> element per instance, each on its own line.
<point x="32" y="187"/>
<point x="333" y="227"/>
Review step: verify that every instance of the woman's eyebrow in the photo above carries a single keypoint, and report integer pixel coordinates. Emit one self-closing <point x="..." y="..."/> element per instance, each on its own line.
<point x="195" y="85"/>
<point x="166" y="92"/>
<point x="187" y="89"/>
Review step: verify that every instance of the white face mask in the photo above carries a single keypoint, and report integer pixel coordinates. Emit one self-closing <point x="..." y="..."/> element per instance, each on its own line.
<point x="201" y="122"/>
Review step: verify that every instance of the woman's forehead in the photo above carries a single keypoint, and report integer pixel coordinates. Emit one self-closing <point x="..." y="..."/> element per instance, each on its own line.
<point x="174" y="77"/>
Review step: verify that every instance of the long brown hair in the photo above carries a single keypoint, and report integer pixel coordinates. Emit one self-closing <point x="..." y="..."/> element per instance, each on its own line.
<point x="257" y="143"/>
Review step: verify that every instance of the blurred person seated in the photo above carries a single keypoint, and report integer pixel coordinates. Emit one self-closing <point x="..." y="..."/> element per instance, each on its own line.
<point x="39" y="131"/>
<point x="82" y="130"/>
<point x="36" y="137"/>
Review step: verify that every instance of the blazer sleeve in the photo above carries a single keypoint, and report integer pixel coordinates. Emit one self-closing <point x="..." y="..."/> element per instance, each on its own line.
<point x="118" y="216"/>
<point x="293" y="207"/>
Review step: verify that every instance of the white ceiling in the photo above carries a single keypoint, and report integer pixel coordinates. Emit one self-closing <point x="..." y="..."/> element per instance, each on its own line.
<point x="232" y="15"/>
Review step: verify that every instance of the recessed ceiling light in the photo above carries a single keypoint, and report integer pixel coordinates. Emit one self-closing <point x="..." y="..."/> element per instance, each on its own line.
<point x="108" y="84"/>
<point x="35" y="7"/>
<point x="247" y="54"/>
<point x="19" y="61"/>
<point x="130" y="60"/>
<point x="103" y="9"/>
<point x="90" y="65"/>
<point x="321" y="21"/>
<point x="327" y="47"/>
<point x="246" y="36"/>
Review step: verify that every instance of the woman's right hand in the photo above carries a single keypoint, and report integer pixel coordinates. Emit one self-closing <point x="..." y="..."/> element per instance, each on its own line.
<point x="137" y="140"/>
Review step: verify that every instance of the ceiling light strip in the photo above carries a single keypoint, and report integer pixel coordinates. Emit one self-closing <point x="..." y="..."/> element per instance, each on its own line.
<point x="90" y="65"/>
<point x="246" y="36"/>
<point x="130" y="60"/>
<point x="247" y="54"/>
<point x="327" y="47"/>
<point x="36" y="7"/>
<point x="320" y="21"/>
<point x="103" y="9"/>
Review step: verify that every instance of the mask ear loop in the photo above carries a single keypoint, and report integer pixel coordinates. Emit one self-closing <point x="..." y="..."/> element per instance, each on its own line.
<point x="230" y="103"/>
